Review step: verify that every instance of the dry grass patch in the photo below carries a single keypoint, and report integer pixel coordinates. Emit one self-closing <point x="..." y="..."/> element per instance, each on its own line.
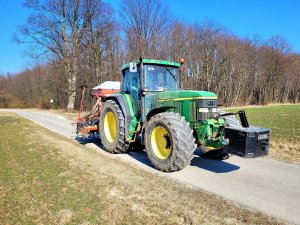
<point x="72" y="116"/>
<point x="285" y="151"/>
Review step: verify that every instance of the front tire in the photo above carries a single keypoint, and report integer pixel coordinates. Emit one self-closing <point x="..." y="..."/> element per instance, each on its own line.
<point x="169" y="142"/>
<point x="112" y="128"/>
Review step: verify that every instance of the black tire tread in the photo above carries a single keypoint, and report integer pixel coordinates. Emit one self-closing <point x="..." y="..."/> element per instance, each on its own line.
<point x="121" y="146"/>
<point x="184" y="140"/>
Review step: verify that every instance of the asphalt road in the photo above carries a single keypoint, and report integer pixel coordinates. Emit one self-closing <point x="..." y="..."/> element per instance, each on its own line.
<point x="266" y="185"/>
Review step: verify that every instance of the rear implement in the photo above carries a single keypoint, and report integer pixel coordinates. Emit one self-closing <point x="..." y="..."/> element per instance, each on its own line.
<point x="89" y="123"/>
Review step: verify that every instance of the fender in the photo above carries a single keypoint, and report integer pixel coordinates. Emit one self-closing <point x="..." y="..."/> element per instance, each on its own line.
<point x="126" y="107"/>
<point x="157" y="110"/>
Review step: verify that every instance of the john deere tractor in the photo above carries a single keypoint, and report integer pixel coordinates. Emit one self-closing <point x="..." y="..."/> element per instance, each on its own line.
<point x="171" y="122"/>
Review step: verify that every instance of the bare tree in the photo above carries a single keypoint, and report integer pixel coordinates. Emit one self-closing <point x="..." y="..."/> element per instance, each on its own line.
<point x="144" y="23"/>
<point x="58" y="27"/>
<point x="81" y="37"/>
<point x="101" y="29"/>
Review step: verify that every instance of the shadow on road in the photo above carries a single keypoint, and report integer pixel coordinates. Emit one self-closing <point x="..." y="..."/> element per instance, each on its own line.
<point x="215" y="166"/>
<point x="141" y="156"/>
<point x="138" y="153"/>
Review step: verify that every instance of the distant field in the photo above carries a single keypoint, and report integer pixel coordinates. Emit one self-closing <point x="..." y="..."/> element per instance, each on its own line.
<point x="284" y="121"/>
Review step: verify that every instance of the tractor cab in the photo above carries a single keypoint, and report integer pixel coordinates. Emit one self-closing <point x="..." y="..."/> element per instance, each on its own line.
<point x="160" y="78"/>
<point x="143" y="79"/>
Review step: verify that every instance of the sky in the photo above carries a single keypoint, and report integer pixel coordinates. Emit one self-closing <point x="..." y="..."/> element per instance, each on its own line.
<point x="245" y="18"/>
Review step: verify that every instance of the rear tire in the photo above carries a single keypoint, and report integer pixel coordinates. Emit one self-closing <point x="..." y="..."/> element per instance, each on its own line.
<point x="169" y="142"/>
<point x="112" y="128"/>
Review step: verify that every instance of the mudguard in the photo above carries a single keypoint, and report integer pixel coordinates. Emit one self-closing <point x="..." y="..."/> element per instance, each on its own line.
<point x="158" y="110"/>
<point x="126" y="107"/>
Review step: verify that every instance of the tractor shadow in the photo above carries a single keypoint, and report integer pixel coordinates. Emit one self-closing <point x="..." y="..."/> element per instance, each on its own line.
<point x="94" y="139"/>
<point x="216" y="166"/>
<point x="139" y="154"/>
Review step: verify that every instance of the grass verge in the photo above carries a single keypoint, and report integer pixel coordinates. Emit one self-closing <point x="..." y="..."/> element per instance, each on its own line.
<point x="46" y="178"/>
<point x="36" y="187"/>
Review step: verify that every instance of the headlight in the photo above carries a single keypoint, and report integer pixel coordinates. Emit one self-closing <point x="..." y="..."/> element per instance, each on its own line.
<point x="203" y="110"/>
<point x="207" y="108"/>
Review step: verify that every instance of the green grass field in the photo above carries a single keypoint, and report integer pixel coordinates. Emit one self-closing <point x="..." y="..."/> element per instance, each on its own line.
<point x="284" y="120"/>
<point x="34" y="186"/>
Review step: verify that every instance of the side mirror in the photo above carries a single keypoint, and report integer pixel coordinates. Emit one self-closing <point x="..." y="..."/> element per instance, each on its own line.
<point x="189" y="73"/>
<point x="132" y="67"/>
<point x="144" y="91"/>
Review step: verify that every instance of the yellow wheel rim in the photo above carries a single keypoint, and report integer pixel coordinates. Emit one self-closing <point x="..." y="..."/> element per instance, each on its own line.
<point x="160" y="142"/>
<point x="110" y="126"/>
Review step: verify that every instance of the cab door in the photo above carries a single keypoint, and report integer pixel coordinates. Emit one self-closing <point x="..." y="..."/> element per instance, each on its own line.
<point x="131" y="86"/>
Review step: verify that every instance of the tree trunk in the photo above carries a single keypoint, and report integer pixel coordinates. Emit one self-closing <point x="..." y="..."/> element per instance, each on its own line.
<point x="71" y="87"/>
<point x="97" y="66"/>
<point x="71" y="99"/>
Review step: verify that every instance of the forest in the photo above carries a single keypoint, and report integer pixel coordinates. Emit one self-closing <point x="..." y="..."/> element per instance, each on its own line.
<point x="85" y="42"/>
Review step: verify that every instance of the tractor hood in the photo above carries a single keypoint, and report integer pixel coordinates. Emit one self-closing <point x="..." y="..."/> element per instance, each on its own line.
<point x="185" y="95"/>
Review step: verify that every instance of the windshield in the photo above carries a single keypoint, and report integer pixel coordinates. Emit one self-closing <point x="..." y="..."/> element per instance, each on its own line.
<point x="161" y="78"/>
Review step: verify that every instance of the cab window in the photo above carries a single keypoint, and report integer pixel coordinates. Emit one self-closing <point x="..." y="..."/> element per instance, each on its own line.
<point x="125" y="80"/>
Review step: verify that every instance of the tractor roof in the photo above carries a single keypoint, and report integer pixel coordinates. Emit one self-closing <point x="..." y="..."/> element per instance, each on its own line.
<point x="153" y="61"/>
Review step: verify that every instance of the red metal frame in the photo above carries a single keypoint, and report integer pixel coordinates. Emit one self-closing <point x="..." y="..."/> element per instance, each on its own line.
<point x="99" y="96"/>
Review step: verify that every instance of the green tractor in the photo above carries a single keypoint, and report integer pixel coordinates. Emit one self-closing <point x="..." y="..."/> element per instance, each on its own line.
<point x="172" y="123"/>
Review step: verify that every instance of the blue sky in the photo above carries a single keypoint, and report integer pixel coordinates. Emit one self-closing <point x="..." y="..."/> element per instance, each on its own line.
<point x="244" y="18"/>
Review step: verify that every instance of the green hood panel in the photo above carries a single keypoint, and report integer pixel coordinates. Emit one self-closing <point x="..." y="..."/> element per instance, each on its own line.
<point x="186" y="95"/>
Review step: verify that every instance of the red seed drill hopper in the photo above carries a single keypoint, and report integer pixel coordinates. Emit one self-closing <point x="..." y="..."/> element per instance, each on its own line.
<point x="89" y="123"/>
